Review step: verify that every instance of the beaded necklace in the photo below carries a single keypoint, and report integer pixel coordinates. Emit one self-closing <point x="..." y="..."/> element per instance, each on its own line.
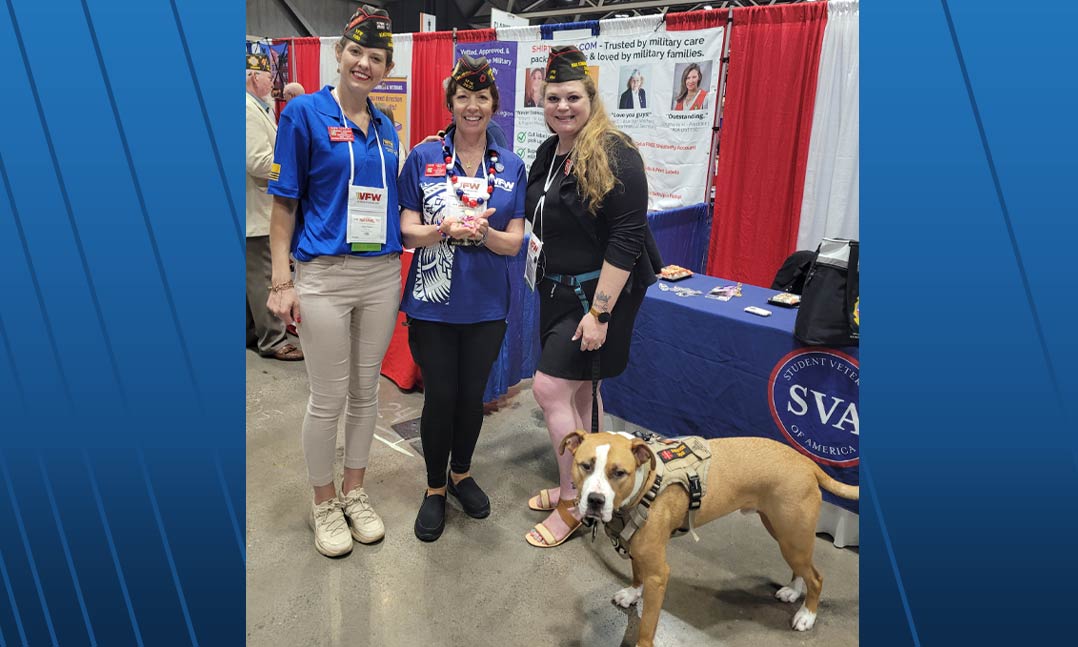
<point x="490" y="172"/>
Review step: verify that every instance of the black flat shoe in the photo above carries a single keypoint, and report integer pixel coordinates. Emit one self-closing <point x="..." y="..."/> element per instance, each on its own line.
<point x="471" y="497"/>
<point x="430" y="522"/>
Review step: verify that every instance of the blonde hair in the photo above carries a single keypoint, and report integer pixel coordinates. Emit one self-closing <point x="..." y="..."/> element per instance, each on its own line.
<point x="593" y="162"/>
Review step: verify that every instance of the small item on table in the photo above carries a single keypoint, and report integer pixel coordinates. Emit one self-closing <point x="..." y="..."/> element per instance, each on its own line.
<point x="725" y="292"/>
<point x="674" y="273"/>
<point x="759" y="312"/>
<point x="785" y="300"/>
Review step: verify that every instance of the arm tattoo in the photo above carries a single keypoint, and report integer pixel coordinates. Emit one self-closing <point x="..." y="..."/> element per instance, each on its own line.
<point x="602" y="299"/>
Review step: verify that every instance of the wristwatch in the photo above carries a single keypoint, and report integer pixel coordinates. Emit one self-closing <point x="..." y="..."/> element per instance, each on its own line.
<point x="601" y="317"/>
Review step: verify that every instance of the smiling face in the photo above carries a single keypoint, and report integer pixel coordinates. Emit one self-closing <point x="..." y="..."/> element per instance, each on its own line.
<point x="609" y="471"/>
<point x="634" y="82"/>
<point x="362" y="68"/>
<point x="567" y="108"/>
<point x="472" y="110"/>
<point x="692" y="80"/>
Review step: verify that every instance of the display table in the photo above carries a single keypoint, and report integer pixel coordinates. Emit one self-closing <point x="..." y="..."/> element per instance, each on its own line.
<point x="700" y="366"/>
<point x="681" y="235"/>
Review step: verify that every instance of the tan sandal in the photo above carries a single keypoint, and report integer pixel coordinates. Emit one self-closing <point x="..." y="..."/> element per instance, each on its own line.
<point x="543" y="502"/>
<point x="549" y="540"/>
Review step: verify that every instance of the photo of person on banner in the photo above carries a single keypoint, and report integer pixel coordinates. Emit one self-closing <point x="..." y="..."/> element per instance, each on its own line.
<point x="693" y="89"/>
<point x="533" y="88"/>
<point x="634" y="96"/>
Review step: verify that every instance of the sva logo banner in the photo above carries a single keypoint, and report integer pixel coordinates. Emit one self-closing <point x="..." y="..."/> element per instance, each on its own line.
<point x="813" y="394"/>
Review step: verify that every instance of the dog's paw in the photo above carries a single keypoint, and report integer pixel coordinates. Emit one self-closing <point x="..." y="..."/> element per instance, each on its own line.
<point x="792" y="592"/>
<point x="628" y="596"/>
<point x="803" y="619"/>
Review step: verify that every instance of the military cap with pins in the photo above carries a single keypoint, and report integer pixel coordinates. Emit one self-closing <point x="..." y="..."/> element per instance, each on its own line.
<point x="370" y="27"/>
<point x="566" y="64"/>
<point x="473" y="73"/>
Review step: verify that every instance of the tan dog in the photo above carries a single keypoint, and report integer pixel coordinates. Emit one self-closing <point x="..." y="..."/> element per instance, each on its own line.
<point x="615" y="470"/>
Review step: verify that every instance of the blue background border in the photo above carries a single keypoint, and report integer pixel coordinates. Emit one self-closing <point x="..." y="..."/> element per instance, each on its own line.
<point x="121" y="354"/>
<point x="121" y="446"/>
<point x="967" y="217"/>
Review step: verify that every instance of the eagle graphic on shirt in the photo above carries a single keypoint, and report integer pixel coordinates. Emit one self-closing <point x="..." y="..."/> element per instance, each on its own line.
<point x="434" y="269"/>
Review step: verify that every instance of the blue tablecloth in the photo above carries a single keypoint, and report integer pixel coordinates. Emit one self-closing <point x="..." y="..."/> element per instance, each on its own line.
<point x="682" y="237"/>
<point x="704" y="367"/>
<point x="519" y="354"/>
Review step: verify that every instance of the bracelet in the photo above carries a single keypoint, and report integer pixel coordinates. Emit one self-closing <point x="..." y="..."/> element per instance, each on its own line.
<point x="483" y="241"/>
<point x="280" y="287"/>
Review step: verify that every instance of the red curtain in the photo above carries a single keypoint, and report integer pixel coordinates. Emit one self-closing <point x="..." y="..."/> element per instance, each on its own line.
<point x="305" y="54"/>
<point x="476" y="35"/>
<point x="688" y="20"/>
<point x="432" y="61"/>
<point x="770" y="93"/>
<point x="303" y="65"/>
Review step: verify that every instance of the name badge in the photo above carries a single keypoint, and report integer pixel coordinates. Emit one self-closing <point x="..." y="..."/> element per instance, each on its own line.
<point x="367" y="215"/>
<point x="340" y="134"/>
<point x="534" y="247"/>
<point x="435" y="170"/>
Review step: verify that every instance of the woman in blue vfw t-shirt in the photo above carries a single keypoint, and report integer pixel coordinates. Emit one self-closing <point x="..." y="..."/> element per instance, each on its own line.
<point x="462" y="202"/>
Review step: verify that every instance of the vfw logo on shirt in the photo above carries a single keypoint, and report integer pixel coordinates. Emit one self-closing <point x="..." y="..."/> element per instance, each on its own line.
<point x="813" y="395"/>
<point x="366" y="195"/>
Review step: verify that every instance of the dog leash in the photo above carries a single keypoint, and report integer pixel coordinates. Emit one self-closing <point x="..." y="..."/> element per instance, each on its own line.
<point x="595" y="391"/>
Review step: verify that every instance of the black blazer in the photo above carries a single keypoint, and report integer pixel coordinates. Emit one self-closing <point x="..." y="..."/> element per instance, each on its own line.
<point x="626" y="102"/>
<point x="620" y="227"/>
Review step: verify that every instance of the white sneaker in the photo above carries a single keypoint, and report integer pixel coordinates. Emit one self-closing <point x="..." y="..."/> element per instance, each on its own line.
<point x="331" y="536"/>
<point x="367" y="526"/>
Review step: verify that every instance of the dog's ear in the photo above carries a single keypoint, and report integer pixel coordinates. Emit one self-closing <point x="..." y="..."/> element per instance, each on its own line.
<point x="643" y="453"/>
<point x="571" y="442"/>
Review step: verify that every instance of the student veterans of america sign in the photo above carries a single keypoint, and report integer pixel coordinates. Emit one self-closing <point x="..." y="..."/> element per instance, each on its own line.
<point x="813" y="394"/>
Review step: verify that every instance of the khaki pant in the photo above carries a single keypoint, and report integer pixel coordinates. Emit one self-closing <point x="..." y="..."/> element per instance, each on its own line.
<point x="267" y="331"/>
<point x="348" y="308"/>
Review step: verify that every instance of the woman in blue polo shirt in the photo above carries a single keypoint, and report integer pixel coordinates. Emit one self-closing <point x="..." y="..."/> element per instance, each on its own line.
<point x="335" y="211"/>
<point x="462" y="201"/>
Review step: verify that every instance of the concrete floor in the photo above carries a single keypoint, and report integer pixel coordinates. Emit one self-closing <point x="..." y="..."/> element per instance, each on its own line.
<point x="481" y="584"/>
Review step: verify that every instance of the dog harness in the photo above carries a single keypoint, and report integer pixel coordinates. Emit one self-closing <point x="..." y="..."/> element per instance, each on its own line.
<point x="678" y="461"/>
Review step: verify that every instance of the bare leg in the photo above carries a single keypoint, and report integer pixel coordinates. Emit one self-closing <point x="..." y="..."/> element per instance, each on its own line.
<point x="555" y="397"/>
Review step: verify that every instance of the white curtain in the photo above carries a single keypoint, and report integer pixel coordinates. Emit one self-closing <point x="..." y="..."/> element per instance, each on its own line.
<point x="832" y="184"/>
<point x="627" y="26"/>
<point x="327" y="62"/>
<point x="402" y="56"/>
<point x="520" y="33"/>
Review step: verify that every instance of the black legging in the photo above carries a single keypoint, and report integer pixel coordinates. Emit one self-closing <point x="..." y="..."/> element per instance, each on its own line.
<point x="456" y="361"/>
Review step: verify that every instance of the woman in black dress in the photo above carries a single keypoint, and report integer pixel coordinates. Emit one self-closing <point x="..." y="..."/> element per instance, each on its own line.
<point x="587" y="201"/>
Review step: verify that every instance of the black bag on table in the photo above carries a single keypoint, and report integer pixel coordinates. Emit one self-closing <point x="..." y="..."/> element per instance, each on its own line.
<point x="791" y="276"/>
<point x="826" y="316"/>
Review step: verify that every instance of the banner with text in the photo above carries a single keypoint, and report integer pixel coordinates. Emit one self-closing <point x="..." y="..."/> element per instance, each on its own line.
<point x="659" y="88"/>
<point x="391" y="97"/>
<point x="502" y="56"/>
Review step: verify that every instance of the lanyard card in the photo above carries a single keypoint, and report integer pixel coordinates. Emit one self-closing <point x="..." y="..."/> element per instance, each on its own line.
<point x="367" y="216"/>
<point x="534" y="247"/>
